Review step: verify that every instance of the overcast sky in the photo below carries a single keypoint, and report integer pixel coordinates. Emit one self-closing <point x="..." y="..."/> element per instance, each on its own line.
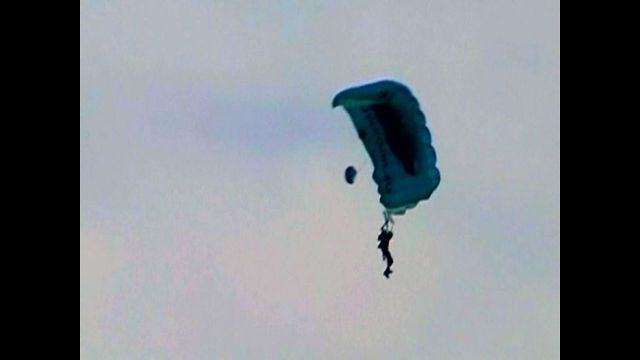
<point x="214" y="219"/>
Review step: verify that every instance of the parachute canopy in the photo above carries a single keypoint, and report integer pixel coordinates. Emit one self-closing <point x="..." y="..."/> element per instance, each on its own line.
<point x="393" y="130"/>
<point x="350" y="174"/>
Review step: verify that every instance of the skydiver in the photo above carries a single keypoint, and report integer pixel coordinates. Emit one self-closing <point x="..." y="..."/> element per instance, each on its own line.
<point x="384" y="238"/>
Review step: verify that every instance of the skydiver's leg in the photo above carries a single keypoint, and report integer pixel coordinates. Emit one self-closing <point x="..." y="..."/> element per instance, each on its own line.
<point x="388" y="271"/>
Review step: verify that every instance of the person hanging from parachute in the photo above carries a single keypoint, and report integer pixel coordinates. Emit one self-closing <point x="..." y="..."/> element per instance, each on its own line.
<point x="384" y="238"/>
<point x="393" y="130"/>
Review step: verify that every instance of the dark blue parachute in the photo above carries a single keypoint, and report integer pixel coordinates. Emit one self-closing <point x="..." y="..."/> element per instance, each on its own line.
<point x="393" y="130"/>
<point x="350" y="175"/>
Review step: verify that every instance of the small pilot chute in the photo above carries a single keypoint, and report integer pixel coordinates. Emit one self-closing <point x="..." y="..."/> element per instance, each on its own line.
<point x="350" y="175"/>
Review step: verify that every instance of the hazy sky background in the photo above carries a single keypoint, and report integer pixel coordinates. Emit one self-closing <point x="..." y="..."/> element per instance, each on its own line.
<point x="214" y="219"/>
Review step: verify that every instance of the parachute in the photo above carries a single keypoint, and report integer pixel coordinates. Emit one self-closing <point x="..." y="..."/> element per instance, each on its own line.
<point x="393" y="130"/>
<point x="350" y="175"/>
<point x="390" y="124"/>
